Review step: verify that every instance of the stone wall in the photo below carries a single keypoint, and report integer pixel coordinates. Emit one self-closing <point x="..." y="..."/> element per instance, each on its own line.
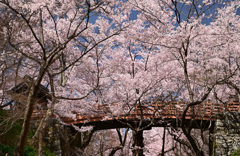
<point x="51" y="138"/>
<point x="227" y="134"/>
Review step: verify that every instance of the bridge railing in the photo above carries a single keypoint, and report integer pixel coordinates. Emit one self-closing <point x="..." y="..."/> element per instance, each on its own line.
<point x="206" y="111"/>
<point x="175" y="109"/>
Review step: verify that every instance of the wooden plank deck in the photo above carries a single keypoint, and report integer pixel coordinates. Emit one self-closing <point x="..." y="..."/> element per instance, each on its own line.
<point x="162" y="110"/>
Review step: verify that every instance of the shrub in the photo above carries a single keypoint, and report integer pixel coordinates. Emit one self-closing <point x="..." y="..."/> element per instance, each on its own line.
<point x="4" y="149"/>
<point x="236" y="153"/>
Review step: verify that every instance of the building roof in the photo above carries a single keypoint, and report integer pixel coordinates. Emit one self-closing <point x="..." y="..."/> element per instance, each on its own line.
<point x="20" y="91"/>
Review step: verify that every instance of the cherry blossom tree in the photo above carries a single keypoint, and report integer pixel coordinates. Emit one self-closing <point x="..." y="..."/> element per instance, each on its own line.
<point x="53" y="40"/>
<point x="93" y="54"/>
<point x="169" y="51"/>
<point x="204" y="63"/>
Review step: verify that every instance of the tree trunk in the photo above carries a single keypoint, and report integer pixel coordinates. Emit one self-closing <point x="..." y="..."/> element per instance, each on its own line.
<point x="40" y="143"/>
<point x="138" y="143"/>
<point x="28" y="113"/>
<point x="26" y="124"/>
<point x="211" y="144"/>
<point x="163" y="141"/>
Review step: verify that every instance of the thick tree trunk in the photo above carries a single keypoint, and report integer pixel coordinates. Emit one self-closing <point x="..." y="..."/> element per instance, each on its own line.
<point x="138" y="143"/>
<point x="26" y="124"/>
<point x="163" y="141"/>
<point x="28" y="113"/>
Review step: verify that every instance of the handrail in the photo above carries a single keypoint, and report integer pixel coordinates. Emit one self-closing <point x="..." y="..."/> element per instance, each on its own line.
<point x="204" y="111"/>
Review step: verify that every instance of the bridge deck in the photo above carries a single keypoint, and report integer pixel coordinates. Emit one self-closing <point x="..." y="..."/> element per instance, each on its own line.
<point x="161" y="110"/>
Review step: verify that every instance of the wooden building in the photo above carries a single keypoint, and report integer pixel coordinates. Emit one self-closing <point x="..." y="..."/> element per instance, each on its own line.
<point x="19" y="94"/>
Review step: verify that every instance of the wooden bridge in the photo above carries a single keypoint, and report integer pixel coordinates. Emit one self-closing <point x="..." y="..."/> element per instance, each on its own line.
<point x="144" y="115"/>
<point x="103" y="116"/>
<point x="154" y="113"/>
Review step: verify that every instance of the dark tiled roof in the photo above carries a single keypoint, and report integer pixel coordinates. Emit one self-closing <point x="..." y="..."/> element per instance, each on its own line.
<point x="23" y="88"/>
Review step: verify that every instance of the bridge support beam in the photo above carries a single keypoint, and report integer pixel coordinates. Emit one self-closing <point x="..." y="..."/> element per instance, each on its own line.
<point x="211" y="140"/>
<point x="137" y="143"/>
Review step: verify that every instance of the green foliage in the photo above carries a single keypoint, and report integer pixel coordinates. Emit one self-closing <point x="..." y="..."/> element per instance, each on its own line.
<point x="4" y="149"/>
<point x="46" y="152"/>
<point x="8" y="140"/>
<point x="11" y="129"/>
<point x="29" y="151"/>
<point x="11" y="136"/>
<point x="1" y="112"/>
<point x="236" y="153"/>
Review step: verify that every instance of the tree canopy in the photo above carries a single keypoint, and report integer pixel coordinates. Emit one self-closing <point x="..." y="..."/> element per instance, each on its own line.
<point x="94" y="52"/>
